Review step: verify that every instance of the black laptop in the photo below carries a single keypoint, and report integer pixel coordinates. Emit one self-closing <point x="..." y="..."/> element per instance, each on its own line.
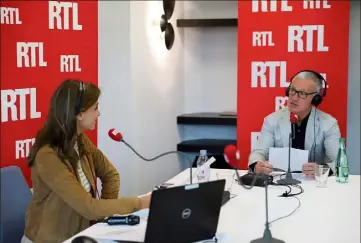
<point x="184" y="214"/>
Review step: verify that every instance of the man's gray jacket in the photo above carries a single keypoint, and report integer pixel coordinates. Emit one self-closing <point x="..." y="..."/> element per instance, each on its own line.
<point x="321" y="138"/>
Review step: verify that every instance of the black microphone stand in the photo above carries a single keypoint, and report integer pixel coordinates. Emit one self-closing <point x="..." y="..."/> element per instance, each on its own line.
<point x="289" y="179"/>
<point x="267" y="235"/>
<point x="161" y="155"/>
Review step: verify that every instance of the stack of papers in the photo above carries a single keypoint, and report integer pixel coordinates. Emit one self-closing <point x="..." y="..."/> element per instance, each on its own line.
<point x="278" y="158"/>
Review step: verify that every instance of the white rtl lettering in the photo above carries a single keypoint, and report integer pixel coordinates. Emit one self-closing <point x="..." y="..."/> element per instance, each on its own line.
<point x="8" y="103"/>
<point x="55" y="10"/>
<point x="259" y="74"/>
<point x="10" y="15"/>
<point x="254" y="139"/>
<point x="270" y="6"/>
<point x="262" y="38"/>
<point x="33" y="111"/>
<point x="22" y="148"/>
<point x="295" y="34"/>
<point x="315" y="4"/>
<point x="26" y="59"/>
<point x="285" y="7"/>
<point x="69" y="63"/>
<point x="281" y="102"/>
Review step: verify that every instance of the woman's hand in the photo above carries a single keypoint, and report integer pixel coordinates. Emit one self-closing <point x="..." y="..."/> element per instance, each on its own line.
<point x="145" y="200"/>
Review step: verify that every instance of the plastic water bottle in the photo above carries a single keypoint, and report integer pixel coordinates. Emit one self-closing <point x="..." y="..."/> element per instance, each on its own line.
<point x="203" y="172"/>
<point x="342" y="166"/>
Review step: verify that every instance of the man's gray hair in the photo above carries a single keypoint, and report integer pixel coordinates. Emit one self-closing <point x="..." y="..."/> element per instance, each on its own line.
<point x="310" y="75"/>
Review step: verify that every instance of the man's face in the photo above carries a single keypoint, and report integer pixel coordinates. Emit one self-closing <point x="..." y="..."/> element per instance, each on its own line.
<point x="301" y="94"/>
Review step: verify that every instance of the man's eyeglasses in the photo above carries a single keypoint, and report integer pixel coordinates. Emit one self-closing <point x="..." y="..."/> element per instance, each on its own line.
<point x="301" y="94"/>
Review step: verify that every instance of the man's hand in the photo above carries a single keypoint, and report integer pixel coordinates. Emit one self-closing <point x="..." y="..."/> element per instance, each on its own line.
<point x="263" y="167"/>
<point x="308" y="169"/>
<point x="145" y="200"/>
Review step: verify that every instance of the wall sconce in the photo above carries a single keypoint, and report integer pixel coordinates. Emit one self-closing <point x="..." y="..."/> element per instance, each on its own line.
<point x="165" y="26"/>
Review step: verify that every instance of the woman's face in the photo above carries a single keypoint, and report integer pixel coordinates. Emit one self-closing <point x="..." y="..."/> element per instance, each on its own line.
<point x="86" y="120"/>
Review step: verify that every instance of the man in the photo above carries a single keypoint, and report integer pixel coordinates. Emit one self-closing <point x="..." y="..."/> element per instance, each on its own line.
<point x="316" y="131"/>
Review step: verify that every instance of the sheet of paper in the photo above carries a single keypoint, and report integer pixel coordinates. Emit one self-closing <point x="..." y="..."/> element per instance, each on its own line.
<point x="103" y="231"/>
<point x="130" y="233"/>
<point x="278" y="158"/>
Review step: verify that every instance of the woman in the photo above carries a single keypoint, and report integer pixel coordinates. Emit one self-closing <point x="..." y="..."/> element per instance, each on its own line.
<point x="64" y="167"/>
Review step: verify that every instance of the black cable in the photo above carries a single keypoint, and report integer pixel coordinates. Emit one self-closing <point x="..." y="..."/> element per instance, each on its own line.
<point x="233" y="196"/>
<point x="290" y="214"/>
<point x="275" y="184"/>
<point x="289" y="194"/>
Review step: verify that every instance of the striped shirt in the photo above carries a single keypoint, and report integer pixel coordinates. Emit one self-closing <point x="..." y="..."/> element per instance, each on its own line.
<point x="83" y="179"/>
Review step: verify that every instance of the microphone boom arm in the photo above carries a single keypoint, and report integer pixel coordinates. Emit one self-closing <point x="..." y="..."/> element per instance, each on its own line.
<point x="161" y="155"/>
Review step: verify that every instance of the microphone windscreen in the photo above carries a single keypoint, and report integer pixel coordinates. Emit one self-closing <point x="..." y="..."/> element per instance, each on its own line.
<point x="293" y="118"/>
<point x="115" y="135"/>
<point x="231" y="155"/>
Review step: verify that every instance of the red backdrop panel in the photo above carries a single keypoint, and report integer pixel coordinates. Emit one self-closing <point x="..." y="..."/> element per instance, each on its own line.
<point x="30" y="22"/>
<point x="325" y="31"/>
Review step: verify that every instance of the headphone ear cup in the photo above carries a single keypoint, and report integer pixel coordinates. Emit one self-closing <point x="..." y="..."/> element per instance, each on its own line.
<point x="288" y="92"/>
<point x="316" y="100"/>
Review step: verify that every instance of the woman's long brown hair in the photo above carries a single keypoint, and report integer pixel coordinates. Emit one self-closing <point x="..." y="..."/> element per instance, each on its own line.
<point x="60" y="128"/>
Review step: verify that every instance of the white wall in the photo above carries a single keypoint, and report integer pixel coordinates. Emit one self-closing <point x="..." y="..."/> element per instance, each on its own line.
<point x="142" y="85"/>
<point x="157" y="75"/>
<point x="116" y="106"/>
<point x="210" y="59"/>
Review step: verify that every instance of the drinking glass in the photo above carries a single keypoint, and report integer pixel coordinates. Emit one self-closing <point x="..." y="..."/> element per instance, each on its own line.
<point x="228" y="176"/>
<point x="321" y="175"/>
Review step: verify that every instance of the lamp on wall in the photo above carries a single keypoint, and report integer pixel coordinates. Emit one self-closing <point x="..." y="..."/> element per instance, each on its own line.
<point x="165" y="26"/>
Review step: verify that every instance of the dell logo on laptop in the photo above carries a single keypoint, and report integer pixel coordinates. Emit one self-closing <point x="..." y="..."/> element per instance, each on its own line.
<point x="186" y="213"/>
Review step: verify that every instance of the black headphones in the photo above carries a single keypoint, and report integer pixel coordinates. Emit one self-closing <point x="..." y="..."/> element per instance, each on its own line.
<point x="80" y="97"/>
<point x="317" y="99"/>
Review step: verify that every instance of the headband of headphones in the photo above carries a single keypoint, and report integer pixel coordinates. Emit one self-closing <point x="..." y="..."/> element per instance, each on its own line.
<point x="323" y="90"/>
<point x="80" y="97"/>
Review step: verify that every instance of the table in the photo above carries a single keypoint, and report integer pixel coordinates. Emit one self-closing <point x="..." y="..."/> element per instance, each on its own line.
<point x="326" y="215"/>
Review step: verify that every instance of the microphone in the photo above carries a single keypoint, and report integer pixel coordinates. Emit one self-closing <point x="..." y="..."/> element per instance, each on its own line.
<point x="289" y="179"/>
<point x="123" y="220"/>
<point x="294" y="121"/>
<point x="118" y="137"/>
<point x="232" y="156"/>
<point x="293" y="118"/>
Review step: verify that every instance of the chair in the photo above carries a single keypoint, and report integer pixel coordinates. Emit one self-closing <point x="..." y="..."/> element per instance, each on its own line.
<point x="15" y="197"/>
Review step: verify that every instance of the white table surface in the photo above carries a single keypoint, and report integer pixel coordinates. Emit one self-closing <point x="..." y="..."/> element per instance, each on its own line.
<point x="326" y="215"/>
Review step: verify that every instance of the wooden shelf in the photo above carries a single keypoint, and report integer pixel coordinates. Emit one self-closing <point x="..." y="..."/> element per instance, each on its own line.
<point x="211" y="145"/>
<point x="207" y="118"/>
<point x="231" y="22"/>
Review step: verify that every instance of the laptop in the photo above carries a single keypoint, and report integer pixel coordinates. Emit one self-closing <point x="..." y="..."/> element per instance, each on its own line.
<point x="184" y="214"/>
